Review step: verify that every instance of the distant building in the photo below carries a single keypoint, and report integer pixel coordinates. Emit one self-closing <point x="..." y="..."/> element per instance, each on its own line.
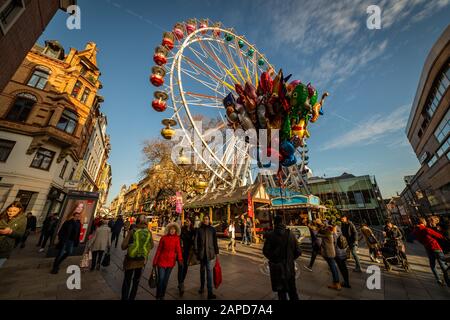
<point x="397" y="212"/>
<point x="357" y="197"/>
<point x="46" y="117"/>
<point x="428" y="128"/>
<point x="21" y="24"/>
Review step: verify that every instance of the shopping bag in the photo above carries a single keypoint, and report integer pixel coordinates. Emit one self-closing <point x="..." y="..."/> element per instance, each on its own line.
<point x="153" y="279"/>
<point x="217" y="274"/>
<point x="86" y="260"/>
<point x="106" y="260"/>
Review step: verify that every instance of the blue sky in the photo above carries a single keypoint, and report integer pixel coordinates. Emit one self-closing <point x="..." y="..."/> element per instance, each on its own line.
<point x="372" y="75"/>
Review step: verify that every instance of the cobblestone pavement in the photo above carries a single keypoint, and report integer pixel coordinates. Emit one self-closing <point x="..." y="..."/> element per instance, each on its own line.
<point x="26" y="276"/>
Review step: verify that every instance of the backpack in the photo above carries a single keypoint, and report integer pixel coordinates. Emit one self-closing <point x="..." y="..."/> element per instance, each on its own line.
<point x="142" y="244"/>
<point x="342" y="242"/>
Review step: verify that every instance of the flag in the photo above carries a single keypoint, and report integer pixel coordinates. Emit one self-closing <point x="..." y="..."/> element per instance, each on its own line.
<point x="250" y="211"/>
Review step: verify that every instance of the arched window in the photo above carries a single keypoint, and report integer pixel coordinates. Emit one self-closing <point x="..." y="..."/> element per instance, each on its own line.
<point x="68" y="121"/>
<point x="39" y="78"/>
<point x="21" y="108"/>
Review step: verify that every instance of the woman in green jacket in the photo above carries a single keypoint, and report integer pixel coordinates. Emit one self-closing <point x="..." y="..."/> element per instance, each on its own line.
<point x="13" y="223"/>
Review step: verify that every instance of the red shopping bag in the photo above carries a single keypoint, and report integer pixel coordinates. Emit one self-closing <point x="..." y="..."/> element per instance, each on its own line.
<point x="217" y="274"/>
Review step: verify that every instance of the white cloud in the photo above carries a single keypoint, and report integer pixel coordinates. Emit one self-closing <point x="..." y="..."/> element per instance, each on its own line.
<point x="372" y="130"/>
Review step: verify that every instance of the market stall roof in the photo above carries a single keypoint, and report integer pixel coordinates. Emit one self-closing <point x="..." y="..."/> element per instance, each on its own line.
<point x="290" y="207"/>
<point x="223" y="197"/>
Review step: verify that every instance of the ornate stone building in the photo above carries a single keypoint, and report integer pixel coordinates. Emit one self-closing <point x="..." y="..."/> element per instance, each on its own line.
<point x="47" y="116"/>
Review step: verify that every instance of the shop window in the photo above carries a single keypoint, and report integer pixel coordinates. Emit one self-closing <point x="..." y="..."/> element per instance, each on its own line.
<point x="20" y="110"/>
<point x="43" y="159"/>
<point x="68" y="122"/>
<point x="6" y="147"/>
<point x="39" y="79"/>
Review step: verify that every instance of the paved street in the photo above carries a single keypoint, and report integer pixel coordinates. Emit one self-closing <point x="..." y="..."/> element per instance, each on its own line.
<point x="26" y="276"/>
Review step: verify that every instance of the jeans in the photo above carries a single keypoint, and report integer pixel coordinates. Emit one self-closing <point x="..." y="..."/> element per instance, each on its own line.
<point x="314" y="254"/>
<point x="342" y="265"/>
<point x="135" y="275"/>
<point x="95" y="261"/>
<point x="333" y="268"/>
<point x="115" y="236"/>
<point x="353" y="249"/>
<point x="65" y="251"/>
<point x="439" y="256"/>
<point x="208" y="265"/>
<point x="43" y="240"/>
<point x="163" y="281"/>
<point x="291" y="292"/>
<point x="183" y="268"/>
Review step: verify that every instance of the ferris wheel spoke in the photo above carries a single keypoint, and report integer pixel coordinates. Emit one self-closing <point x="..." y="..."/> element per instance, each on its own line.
<point x="202" y="57"/>
<point x="203" y="82"/>
<point x="231" y="61"/>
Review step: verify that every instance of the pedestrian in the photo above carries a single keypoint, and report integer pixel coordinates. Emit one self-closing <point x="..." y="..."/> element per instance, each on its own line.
<point x="316" y="242"/>
<point x="69" y="238"/>
<point x="341" y="257"/>
<point x="126" y="227"/>
<point x="351" y="234"/>
<point x="116" y="230"/>
<point x="281" y="248"/>
<point x="206" y="249"/>
<point x="187" y="241"/>
<point x="31" y="227"/>
<point x="111" y="223"/>
<point x="328" y="250"/>
<point x="167" y="254"/>
<point x="232" y="236"/>
<point x="13" y="224"/>
<point x="48" y="229"/>
<point x="99" y="244"/>
<point x="242" y="227"/>
<point x="394" y="234"/>
<point x="249" y="231"/>
<point x="138" y="243"/>
<point x="429" y="239"/>
<point x="371" y="241"/>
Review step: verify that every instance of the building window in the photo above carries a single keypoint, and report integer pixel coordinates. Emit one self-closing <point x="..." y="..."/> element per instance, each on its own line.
<point x="9" y="13"/>
<point x="77" y="89"/>
<point x="39" y="79"/>
<point x="43" y="159"/>
<point x="20" y="110"/>
<point x="63" y="170"/>
<point x="68" y="122"/>
<point x="85" y="95"/>
<point x="72" y="173"/>
<point x="438" y="91"/>
<point x="444" y="128"/>
<point x="6" y="147"/>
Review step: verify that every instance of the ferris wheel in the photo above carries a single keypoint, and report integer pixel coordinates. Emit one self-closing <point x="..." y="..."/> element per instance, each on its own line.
<point x="198" y="65"/>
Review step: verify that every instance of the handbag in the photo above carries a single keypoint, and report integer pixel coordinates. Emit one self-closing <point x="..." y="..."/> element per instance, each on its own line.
<point x="106" y="260"/>
<point x="217" y="274"/>
<point x="153" y="279"/>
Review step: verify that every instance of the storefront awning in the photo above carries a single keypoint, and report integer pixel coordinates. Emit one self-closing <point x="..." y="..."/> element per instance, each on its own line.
<point x="291" y="207"/>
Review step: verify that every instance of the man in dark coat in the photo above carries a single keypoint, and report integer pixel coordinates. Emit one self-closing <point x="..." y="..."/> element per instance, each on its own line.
<point x="48" y="229"/>
<point x="116" y="229"/>
<point x="281" y="248"/>
<point x="69" y="238"/>
<point x="350" y="232"/>
<point x="206" y="249"/>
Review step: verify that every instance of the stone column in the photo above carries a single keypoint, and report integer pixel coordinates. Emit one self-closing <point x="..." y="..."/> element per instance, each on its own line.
<point x="58" y="111"/>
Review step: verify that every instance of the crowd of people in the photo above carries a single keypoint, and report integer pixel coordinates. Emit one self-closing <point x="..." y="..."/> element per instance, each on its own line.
<point x="196" y="243"/>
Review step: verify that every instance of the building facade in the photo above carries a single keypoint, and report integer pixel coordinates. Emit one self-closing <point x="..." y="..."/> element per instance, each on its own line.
<point x="357" y="197"/>
<point x="428" y="128"/>
<point x="46" y="114"/>
<point x="21" y="24"/>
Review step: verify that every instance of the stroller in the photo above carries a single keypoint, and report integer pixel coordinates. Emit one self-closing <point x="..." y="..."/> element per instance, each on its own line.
<point x="393" y="256"/>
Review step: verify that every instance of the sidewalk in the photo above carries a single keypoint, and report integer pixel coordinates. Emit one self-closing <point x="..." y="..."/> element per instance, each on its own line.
<point x="26" y="276"/>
